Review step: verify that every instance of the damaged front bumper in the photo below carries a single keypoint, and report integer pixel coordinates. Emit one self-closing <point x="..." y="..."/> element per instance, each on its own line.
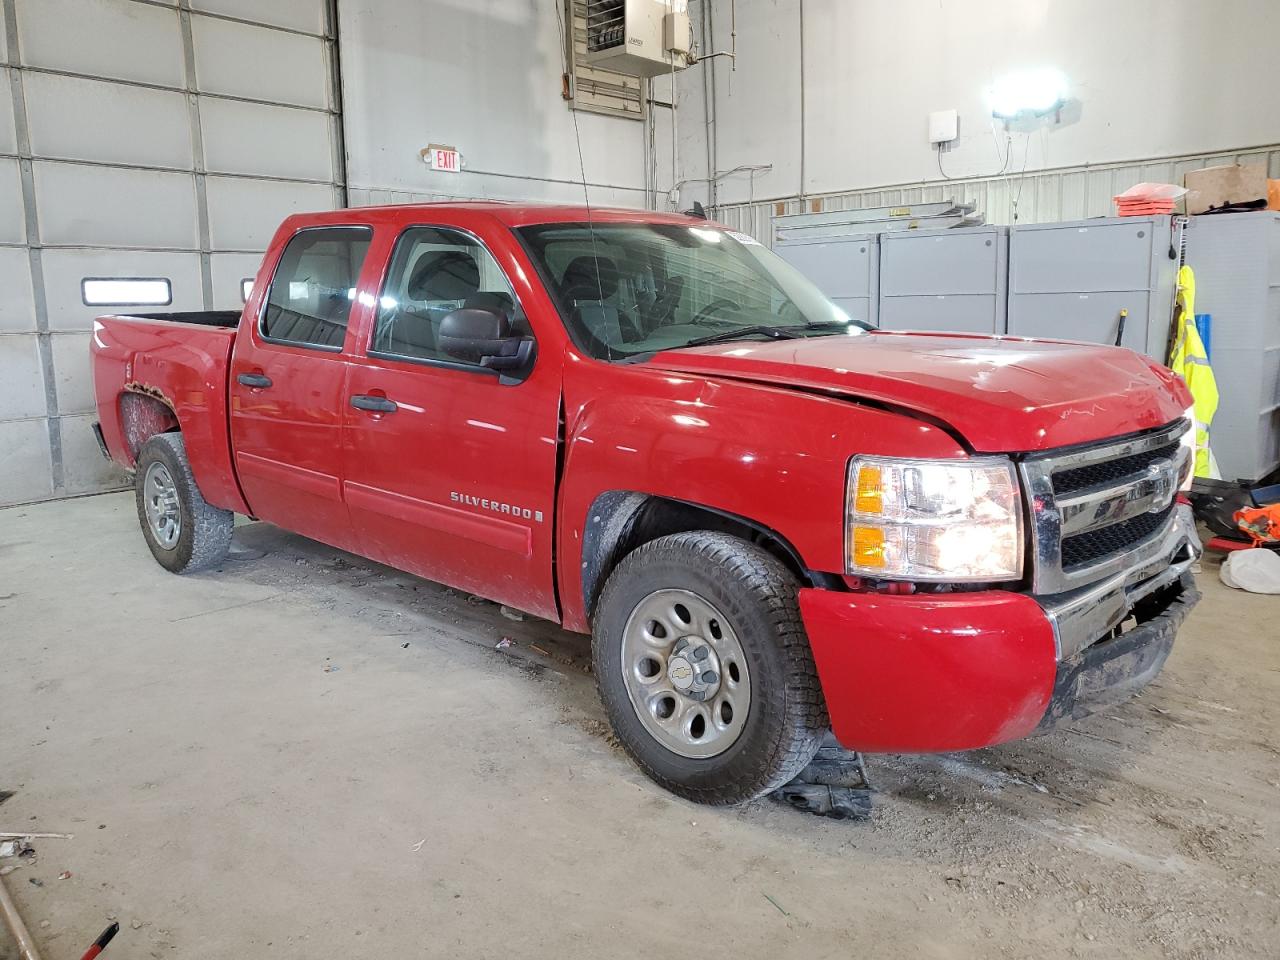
<point x="957" y="671"/>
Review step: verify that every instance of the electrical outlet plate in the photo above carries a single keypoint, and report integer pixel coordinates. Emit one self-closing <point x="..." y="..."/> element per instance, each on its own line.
<point x="944" y="126"/>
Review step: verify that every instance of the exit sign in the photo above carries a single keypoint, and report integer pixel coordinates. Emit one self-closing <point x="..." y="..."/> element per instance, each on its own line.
<point x="445" y="159"/>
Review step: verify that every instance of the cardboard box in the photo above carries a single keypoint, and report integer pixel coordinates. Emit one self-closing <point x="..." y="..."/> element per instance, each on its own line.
<point x="1273" y="194"/>
<point x="1218" y="186"/>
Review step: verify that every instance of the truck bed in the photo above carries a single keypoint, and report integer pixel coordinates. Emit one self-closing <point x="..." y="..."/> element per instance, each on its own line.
<point x="203" y="318"/>
<point x="156" y="371"/>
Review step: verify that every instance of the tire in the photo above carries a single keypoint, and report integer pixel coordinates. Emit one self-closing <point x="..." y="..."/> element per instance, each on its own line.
<point x="785" y="718"/>
<point x="199" y="535"/>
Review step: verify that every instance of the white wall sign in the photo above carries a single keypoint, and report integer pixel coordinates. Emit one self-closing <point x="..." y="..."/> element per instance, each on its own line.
<point x="444" y="159"/>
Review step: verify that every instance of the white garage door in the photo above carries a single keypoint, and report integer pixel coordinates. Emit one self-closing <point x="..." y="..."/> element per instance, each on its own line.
<point x="153" y="139"/>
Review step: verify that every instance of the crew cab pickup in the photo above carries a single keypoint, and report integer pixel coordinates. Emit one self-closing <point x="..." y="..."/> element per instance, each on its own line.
<point x="774" y="521"/>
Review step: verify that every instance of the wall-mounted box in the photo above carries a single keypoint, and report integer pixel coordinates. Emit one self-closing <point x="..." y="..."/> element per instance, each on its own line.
<point x="846" y="268"/>
<point x="1236" y="259"/>
<point x="637" y="37"/>
<point x="1071" y="280"/>
<point x="947" y="281"/>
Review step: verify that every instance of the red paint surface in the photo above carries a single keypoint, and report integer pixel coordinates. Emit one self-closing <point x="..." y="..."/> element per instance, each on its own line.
<point x="184" y="366"/>
<point x="930" y="673"/>
<point x="721" y="426"/>
<point x="1002" y="394"/>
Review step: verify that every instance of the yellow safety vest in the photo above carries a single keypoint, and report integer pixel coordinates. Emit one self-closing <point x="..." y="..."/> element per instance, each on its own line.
<point x="1190" y="361"/>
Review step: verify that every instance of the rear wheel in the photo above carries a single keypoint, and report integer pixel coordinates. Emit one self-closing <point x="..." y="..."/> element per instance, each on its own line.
<point x="184" y="532"/>
<point x="704" y="667"/>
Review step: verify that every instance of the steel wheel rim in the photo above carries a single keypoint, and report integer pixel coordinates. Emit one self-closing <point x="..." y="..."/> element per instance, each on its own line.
<point x="160" y="500"/>
<point x="667" y="679"/>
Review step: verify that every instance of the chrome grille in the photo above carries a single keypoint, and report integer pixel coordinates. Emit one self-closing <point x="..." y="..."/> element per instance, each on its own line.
<point x="1086" y="548"/>
<point x="1109" y="471"/>
<point x="1095" y="508"/>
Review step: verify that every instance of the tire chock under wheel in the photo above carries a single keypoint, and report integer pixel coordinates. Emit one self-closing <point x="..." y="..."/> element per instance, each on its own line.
<point x="834" y="785"/>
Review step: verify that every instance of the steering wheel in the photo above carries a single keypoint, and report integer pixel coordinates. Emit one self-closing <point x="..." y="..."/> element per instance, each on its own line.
<point x="704" y="313"/>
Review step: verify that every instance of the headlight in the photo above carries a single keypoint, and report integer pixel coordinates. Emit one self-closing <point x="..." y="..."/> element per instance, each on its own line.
<point x="1188" y="442"/>
<point x="933" y="519"/>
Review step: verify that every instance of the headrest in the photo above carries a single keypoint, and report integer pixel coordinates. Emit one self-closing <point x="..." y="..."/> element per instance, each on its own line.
<point x="589" y="278"/>
<point x="444" y="275"/>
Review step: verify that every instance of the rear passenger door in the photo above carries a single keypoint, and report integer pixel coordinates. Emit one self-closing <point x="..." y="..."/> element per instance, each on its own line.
<point x="288" y="385"/>
<point x="454" y="477"/>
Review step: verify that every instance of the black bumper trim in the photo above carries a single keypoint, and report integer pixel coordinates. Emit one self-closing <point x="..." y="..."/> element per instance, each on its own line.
<point x="1112" y="671"/>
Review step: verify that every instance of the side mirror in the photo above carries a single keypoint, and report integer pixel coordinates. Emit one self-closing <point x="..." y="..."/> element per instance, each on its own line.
<point x="473" y="335"/>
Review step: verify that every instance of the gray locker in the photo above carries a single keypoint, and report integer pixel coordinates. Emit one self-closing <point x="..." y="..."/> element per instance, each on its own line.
<point x="1071" y="280"/>
<point x="846" y="269"/>
<point x="1236" y="259"/>
<point x="944" y="280"/>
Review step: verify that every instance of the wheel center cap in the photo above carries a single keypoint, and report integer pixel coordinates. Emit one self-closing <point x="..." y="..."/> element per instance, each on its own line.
<point x="694" y="668"/>
<point x="681" y="673"/>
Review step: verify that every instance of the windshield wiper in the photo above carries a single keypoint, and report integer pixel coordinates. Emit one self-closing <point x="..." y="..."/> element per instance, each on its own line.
<point x="772" y="331"/>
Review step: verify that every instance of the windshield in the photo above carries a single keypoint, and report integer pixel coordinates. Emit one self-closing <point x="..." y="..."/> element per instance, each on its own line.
<point x="628" y="290"/>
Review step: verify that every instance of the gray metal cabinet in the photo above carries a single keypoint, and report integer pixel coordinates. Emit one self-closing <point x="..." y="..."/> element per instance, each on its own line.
<point x="845" y="268"/>
<point x="1236" y="259"/>
<point x="950" y="281"/>
<point x="1071" y="280"/>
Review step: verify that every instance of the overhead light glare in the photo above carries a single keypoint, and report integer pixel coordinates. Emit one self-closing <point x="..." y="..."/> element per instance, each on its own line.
<point x="1028" y="93"/>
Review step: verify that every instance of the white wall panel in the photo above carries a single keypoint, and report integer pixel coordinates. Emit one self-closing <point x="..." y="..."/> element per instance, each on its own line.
<point x="305" y="15"/>
<point x="4" y="41"/>
<point x="258" y="63"/>
<point x="8" y="138"/>
<point x="27" y="473"/>
<point x="107" y="122"/>
<point x="64" y="269"/>
<point x="270" y="141"/>
<point x="13" y="224"/>
<point x="85" y="470"/>
<point x="484" y="76"/>
<point x="102" y="206"/>
<point x="873" y="72"/>
<point x="74" y="384"/>
<point x="243" y="214"/>
<point x="17" y="309"/>
<point x="229" y="270"/>
<point x="21" y="379"/>
<point x="104" y="38"/>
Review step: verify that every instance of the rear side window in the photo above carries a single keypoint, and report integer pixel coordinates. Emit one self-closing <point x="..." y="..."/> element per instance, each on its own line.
<point x="433" y="272"/>
<point x="314" y="286"/>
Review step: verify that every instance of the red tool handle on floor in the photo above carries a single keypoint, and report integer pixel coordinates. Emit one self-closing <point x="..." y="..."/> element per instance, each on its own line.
<point x="100" y="944"/>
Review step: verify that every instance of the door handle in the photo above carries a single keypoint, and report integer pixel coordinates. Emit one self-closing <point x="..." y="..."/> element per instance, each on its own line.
<point x="256" y="380"/>
<point x="373" y="404"/>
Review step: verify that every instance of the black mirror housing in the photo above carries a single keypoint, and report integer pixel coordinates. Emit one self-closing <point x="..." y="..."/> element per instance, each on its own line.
<point x="484" y="337"/>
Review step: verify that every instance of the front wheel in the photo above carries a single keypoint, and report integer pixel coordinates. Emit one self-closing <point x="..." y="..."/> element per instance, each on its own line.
<point x="184" y="532"/>
<point x="704" y="667"/>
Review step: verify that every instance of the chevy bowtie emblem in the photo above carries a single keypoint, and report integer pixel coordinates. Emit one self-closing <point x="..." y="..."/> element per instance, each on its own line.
<point x="1162" y="475"/>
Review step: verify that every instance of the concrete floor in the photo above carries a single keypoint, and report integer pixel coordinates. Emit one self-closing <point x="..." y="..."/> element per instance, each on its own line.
<point x="309" y="755"/>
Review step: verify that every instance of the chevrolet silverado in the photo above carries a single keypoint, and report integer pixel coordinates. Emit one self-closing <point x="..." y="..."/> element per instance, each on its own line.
<point x="773" y="521"/>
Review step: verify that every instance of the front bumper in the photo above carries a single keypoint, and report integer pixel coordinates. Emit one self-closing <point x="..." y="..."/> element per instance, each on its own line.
<point x="941" y="672"/>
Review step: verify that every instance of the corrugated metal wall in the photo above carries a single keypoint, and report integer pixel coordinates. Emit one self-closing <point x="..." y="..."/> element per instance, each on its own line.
<point x="1050" y="196"/>
<point x="140" y="138"/>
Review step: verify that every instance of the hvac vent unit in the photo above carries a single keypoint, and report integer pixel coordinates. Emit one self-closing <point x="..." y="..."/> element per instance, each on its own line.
<point x="641" y="38"/>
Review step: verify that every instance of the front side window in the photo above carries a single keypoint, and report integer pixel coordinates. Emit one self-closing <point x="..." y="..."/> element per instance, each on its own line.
<point x="433" y="272"/>
<point x="309" y="302"/>
<point x="628" y="290"/>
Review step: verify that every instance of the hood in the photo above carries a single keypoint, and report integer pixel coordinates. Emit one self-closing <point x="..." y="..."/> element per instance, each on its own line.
<point x="1002" y="394"/>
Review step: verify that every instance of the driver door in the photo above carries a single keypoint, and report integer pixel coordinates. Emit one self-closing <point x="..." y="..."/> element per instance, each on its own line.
<point x="450" y="473"/>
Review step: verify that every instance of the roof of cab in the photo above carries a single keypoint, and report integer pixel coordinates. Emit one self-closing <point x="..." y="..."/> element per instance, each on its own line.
<point x="512" y="214"/>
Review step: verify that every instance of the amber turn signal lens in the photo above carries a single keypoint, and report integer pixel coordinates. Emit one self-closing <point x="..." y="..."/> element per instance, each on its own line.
<point x="868" y="546"/>
<point x="869" y="492"/>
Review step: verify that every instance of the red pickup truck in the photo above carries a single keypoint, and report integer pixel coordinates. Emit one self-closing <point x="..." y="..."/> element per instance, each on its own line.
<point x="773" y="521"/>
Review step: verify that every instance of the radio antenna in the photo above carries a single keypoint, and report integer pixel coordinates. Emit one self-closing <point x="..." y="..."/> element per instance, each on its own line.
<point x="566" y="53"/>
